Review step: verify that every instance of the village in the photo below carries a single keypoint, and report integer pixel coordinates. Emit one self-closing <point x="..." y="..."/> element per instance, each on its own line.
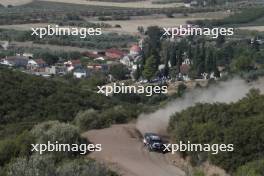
<point x="102" y="61"/>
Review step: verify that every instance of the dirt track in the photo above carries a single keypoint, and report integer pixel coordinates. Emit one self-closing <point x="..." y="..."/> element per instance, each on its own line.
<point x="123" y="150"/>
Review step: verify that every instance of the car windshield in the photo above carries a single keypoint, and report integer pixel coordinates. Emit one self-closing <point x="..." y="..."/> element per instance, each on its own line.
<point x="156" y="141"/>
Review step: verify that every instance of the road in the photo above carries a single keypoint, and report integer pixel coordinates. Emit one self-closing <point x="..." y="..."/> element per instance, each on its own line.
<point x="123" y="150"/>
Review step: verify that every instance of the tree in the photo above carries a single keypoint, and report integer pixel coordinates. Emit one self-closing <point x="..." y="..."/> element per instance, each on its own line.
<point x="242" y="63"/>
<point x="150" y="68"/>
<point x="220" y="40"/>
<point x="119" y="71"/>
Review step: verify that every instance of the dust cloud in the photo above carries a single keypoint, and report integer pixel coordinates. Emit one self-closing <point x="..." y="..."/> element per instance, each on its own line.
<point x="225" y="92"/>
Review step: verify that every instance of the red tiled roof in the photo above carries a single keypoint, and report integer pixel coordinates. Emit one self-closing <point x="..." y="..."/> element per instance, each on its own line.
<point x="40" y="61"/>
<point x="76" y="62"/>
<point x="91" y="55"/>
<point x="184" y="68"/>
<point x="135" y="48"/>
<point x="115" y="51"/>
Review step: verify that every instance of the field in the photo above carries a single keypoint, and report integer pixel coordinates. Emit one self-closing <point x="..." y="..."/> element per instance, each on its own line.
<point x="131" y="26"/>
<point x="14" y="2"/>
<point x="253" y="28"/>
<point x="141" y="4"/>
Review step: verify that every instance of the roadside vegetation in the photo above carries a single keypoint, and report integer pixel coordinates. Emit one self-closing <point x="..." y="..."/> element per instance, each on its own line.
<point x="239" y="123"/>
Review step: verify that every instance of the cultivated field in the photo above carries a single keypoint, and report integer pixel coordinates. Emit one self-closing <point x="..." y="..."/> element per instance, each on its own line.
<point x="24" y="27"/>
<point x="140" y="4"/>
<point x="131" y="26"/>
<point x="253" y="28"/>
<point x="14" y="2"/>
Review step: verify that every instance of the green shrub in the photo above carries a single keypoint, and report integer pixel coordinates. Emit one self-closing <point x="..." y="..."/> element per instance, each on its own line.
<point x="254" y="168"/>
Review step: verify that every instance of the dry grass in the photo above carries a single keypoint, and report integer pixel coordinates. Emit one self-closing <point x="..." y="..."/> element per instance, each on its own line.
<point x="140" y="4"/>
<point x="24" y="27"/>
<point x="253" y="28"/>
<point x="14" y="2"/>
<point x="131" y="26"/>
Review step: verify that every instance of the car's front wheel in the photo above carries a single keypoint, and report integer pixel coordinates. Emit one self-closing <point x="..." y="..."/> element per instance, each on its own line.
<point x="149" y="148"/>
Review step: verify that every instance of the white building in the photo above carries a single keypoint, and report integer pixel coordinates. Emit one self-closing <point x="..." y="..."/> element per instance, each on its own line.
<point x="80" y="73"/>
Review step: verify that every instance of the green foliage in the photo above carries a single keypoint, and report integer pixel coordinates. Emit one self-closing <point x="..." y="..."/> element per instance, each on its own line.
<point x="150" y="68"/>
<point x="39" y="99"/>
<point x="88" y="119"/>
<point x="198" y="172"/>
<point x="41" y="165"/>
<point x="119" y="71"/>
<point x="242" y="63"/>
<point x="92" y="119"/>
<point x="254" y="168"/>
<point x="14" y="147"/>
<point x="239" y="123"/>
<point x="244" y="16"/>
<point x="55" y="131"/>
<point x="83" y="167"/>
<point x="45" y="165"/>
<point x="104" y="41"/>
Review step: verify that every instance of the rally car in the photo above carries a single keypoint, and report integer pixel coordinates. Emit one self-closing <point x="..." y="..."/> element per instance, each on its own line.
<point x="153" y="142"/>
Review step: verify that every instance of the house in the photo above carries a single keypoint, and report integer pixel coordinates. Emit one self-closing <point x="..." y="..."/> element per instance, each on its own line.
<point x="28" y="55"/>
<point x="4" y="45"/>
<point x="93" y="54"/>
<point x="194" y="3"/>
<point x="36" y="65"/>
<point x="135" y="50"/>
<point x="114" y="54"/>
<point x="58" y="69"/>
<point x="80" y="73"/>
<point x="99" y="59"/>
<point x="186" y="66"/>
<point x="15" y="61"/>
<point x="133" y="58"/>
<point x="72" y="64"/>
<point x="127" y="60"/>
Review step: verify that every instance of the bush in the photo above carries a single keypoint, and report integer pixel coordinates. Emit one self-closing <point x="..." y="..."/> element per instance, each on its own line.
<point x="88" y="119"/>
<point x="8" y="150"/>
<point x="40" y="165"/>
<point x="45" y="165"/>
<point x="55" y="131"/>
<point x="14" y="147"/>
<point x="83" y="167"/>
<point x="240" y="124"/>
<point x="255" y="168"/>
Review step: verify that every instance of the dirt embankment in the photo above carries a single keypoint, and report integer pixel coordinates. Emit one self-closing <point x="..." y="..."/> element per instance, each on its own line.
<point x="124" y="152"/>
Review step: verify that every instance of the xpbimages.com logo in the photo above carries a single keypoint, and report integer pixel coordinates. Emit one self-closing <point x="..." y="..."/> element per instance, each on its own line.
<point x="65" y="31"/>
